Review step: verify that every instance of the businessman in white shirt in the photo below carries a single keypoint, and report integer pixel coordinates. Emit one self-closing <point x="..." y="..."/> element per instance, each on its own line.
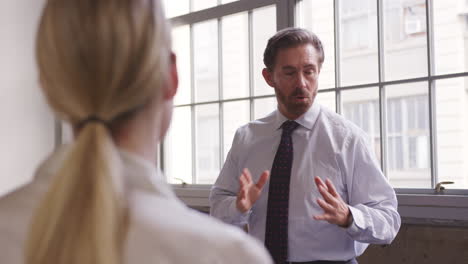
<point x="326" y="198"/>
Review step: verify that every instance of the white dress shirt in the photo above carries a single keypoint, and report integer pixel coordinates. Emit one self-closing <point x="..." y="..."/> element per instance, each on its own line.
<point x="162" y="229"/>
<point x="325" y="145"/>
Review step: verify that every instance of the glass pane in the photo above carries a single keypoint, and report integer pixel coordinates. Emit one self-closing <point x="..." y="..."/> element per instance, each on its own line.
<point x="27" y="130"/>
<point x="264" y="107"/>
<point x="207" y="145"/>
<point x="205" y="42"/>
<point x="326" y="99"/>
<point x="317" y="16"/>
<point x="264" y="27"/>
<point x="405" y="39"/>
<point x="450" y="45"/>
<point x="202" y="4"/>
<point x="358" y="45"/>
<point x="408" y="156"/>
<point x="176" y="8"/>
<point x="235" y="56"/>
<point x="452" y="132"/>
<point x="236" y="114"/>
<point x="361" y="107"/>
<point x="178" y="147"/>
<point x="181" y="46"/>
<point x="67" y="133"/>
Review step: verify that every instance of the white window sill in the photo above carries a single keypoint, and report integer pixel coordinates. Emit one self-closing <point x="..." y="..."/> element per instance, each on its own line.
<point x="440" y="209"/>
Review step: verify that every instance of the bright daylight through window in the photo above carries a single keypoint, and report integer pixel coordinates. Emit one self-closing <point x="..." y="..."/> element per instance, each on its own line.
<point x="395" y="68"/>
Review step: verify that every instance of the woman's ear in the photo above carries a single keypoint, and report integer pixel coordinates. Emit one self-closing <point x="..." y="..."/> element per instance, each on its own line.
<point x="268" y="76"/>
<point x="173" y="80"/>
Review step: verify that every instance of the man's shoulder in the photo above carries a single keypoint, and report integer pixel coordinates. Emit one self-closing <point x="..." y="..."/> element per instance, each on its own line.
<point x="257" y="127"/>
<point x="338" y="127"/>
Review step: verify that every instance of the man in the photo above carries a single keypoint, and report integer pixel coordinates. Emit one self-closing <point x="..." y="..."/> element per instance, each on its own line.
<point x="326" y="198"/>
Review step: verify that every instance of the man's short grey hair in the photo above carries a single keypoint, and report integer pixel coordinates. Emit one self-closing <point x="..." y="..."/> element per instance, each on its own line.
<point x="288" y="38"/>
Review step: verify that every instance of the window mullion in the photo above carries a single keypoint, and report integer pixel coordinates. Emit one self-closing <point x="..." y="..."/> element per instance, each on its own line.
<point x="337" y="29"/>
<point x="432" y="93"/>
<point x="192" y="106"/>
<point x="382" y="88"/>
<point x="220" y="92"/>
<point x="251" y="65"/>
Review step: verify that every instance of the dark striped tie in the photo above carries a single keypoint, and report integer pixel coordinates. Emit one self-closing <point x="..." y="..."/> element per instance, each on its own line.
<point x="276" y="232"/>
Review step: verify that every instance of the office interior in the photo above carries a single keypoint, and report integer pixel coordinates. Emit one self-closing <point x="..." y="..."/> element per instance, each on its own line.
<point x="396" y="68"/>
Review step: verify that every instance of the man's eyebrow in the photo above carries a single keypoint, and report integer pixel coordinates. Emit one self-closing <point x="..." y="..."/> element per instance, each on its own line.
<point x="310" y="66"/>
<point x="287" y="67"/>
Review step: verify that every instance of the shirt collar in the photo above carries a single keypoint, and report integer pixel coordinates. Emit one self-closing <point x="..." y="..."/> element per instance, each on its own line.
<point x="138" y="173"/>
<point x="144" y="175"/>
<point x="307" y="120"/>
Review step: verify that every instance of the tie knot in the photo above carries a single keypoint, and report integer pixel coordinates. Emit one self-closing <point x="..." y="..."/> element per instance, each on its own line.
<point x="289" y="126"/>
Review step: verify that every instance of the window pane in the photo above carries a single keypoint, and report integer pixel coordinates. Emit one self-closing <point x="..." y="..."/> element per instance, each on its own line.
<point x="205" y="41"/>
<point x="317" y="16"/>
<point x="181" y="46"/>
<point x="27" y="130"/>
<point x="178" y="147"/>
<point x="408" y="152"/>
<point x="405" y="39"/>
<point x="264" y="106"/>
<point x="264" y="27"/>
<point x="358" y="44"/>
<point x="450" y="45"/>
<point x="207" y="145"/>
<point x="235" y="56"/>
<point x="236" y="114"/>
<point x="67" y="133"/>
<point x="452" y="132"/>
<point x="202" y="4"/>
<point x="176" y="8"/>
<point x="327" y="99"/>
<point x="362" y="108"/>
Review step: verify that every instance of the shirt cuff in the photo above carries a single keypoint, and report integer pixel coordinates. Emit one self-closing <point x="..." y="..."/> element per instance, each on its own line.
<point x="358" y="222"/>
<point x="242" y="218"/>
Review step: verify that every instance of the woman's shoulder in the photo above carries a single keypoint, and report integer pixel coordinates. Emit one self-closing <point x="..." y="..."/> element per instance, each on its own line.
<point x="167" y="230"/>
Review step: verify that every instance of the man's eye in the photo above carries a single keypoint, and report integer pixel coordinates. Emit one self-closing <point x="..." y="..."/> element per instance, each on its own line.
<point x="289" y="73"/>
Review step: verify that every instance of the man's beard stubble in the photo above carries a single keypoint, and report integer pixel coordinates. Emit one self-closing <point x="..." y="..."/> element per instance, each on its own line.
<point x="295" y="108"/>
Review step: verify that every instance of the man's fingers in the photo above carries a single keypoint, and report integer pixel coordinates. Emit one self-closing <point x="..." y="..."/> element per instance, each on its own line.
<point x="325" y="206"/>
<point x="247" y="174"/>
<point x="263" y="179"/>
<point x="319" y="182"/>
<point x="242" y="181"/>
<point x="325" y="217"/>
<point x="327" y="196"/>
<point x="331" y="188"/>
<point x="240" y="194"/>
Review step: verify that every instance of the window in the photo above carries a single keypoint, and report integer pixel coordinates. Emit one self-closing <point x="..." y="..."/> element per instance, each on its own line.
<point x="395" y="82"/>
<point x="220" y="60"/>
<point x="396" y="68"/>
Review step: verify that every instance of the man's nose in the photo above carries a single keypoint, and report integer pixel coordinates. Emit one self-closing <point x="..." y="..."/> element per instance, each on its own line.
<point x="301" y="81"/>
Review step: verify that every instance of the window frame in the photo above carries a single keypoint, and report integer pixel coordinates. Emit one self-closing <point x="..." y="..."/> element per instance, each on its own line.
<point x="448" y="206"/>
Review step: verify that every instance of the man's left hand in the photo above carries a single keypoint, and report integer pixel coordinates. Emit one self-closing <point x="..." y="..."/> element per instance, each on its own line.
<point x="336" y="211"/>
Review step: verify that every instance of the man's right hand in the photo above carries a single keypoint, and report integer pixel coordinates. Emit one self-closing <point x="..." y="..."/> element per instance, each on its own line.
<point x="249" y="191"/>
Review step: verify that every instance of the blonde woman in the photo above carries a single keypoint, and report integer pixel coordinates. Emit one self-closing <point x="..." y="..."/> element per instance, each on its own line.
<point x="106" y="67"/>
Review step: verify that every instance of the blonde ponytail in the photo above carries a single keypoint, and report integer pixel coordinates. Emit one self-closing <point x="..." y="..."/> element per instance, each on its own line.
<point x="103" y="59"/>
<point x="82" y="217"/>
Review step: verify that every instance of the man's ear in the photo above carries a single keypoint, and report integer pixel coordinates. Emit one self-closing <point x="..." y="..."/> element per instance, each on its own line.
<point x="268" y="76"/>
<point x="173" y="78"/>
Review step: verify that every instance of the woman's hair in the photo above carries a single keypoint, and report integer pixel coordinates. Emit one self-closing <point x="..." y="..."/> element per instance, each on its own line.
<point x="100" y="61"/>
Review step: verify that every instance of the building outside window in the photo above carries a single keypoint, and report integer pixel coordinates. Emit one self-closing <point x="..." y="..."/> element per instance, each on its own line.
<point x="396" y="68"/>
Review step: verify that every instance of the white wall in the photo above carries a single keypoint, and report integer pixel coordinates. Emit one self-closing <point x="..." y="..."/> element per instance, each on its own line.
<point x="26" y="123"/>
